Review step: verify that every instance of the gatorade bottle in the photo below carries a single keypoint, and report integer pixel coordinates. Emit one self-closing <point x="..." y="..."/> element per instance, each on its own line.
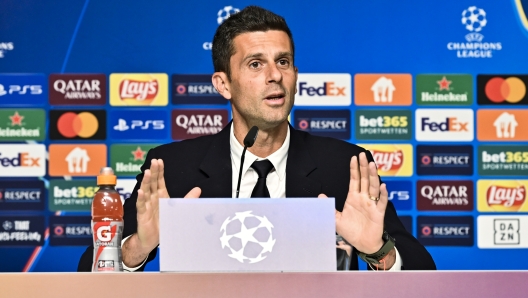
<point x="107" y="224"/>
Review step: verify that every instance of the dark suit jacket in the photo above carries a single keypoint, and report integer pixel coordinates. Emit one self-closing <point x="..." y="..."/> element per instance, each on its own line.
<point x="315" y="165"/>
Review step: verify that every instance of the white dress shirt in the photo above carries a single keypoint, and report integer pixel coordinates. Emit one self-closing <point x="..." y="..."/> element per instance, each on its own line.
<point x="276" y="180"/>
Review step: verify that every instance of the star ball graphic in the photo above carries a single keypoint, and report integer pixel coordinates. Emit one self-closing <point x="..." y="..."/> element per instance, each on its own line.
<point x="248" y="237"/>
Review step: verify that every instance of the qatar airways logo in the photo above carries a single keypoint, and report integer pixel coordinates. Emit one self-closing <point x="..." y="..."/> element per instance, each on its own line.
<point x="194" y="123"/>
<point x="445" y="195"/>
<point x="78" y="89"/>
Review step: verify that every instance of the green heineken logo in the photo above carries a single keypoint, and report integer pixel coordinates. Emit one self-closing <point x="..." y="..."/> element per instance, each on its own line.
<point x="72" y="195"/>
<point x="444" y="89"/>
<point x="503" y="160"/>
<point x="383" y="124"/>
<point x="22" y="124"/>
<point x="126" y="160"/>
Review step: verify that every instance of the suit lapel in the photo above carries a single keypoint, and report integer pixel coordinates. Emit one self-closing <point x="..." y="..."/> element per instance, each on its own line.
<point x="217" y="167"/>
<point x="298" y="166"/>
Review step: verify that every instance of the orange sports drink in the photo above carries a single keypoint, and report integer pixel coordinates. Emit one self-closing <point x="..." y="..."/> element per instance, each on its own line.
<point x="107" y="224"/>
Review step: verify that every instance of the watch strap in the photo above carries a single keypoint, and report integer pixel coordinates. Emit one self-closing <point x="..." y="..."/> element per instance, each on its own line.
<point x="375" y="258"/>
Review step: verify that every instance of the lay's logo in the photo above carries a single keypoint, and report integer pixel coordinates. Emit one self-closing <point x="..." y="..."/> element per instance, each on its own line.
<point x="139" y="89"/>
<point x="506" y="196"/>
<point x="502" y="195"/>
<point x="392" y="160"/>
<point x="388" y="160"/>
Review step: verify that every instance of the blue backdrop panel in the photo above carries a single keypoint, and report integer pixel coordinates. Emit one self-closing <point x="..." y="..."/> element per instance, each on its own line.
<point x="173" y="37"/>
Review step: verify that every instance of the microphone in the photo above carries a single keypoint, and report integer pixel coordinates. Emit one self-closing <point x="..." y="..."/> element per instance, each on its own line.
<point x="249" y="140"/>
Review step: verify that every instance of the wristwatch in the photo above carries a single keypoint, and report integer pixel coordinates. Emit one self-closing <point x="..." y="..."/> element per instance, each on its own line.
<point x="375" y="258"/>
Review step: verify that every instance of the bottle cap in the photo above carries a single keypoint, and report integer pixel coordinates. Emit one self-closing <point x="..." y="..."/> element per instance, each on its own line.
<point x="106" y="177"/>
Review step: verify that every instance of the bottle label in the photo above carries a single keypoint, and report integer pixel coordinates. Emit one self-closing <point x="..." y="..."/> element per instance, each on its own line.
<point x="107" y="237"/>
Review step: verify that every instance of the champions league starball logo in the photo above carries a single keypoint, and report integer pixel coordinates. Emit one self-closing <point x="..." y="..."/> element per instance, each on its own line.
<point x="247" y="236"/>
<point x="474" y="20"/>
<point x="225" y="13"/>
<point x="222" y="15"/>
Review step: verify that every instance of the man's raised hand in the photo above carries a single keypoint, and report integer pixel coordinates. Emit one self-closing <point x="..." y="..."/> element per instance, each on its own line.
<point x="361" y="221"/>
<point x="151" y="190"/>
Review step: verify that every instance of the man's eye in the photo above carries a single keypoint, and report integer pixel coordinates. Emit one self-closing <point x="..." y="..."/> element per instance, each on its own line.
<point x="284" y="62"/>
<point x="254" y="65"/>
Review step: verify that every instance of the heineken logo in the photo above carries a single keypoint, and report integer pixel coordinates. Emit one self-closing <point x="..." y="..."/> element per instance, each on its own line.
<point x="127" y="159"/>
<point x="22" y="124"/>
<point x="444" y="89"/>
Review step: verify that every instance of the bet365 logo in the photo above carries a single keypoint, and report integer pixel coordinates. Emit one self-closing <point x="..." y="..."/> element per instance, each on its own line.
<point x="383" y="125"/>
<point x="503" y="160"/>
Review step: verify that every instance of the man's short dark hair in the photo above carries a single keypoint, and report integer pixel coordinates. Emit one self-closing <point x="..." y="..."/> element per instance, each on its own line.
<point x="249" y="19"/>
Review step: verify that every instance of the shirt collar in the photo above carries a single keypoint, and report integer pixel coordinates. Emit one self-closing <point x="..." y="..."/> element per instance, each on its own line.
<point x="277" y="158"/>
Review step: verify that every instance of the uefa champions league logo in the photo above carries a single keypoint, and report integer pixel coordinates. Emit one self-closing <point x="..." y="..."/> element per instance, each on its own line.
<point x="248" y="237"/>
<point x="225" y="13"/>
<point x="474" y="20"/>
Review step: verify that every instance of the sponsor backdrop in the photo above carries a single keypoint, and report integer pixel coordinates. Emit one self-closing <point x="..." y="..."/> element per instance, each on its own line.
<point x="439" y="97"/>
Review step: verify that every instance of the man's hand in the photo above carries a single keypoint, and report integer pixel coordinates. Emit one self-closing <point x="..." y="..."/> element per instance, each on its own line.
<point x="361" y="221"/>
<point x="152" y="188"/>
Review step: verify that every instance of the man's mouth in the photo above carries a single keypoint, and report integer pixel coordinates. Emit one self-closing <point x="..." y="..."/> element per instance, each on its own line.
<point x="275" y="96"/>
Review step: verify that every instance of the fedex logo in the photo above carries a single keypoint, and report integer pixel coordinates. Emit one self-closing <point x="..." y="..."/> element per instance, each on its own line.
<point x="323" y="90"/>
<point x="328" y="89"/>
<point x="19" y="160"/>
<point x="450" y="124"/>
<point x="23" y="159"/>
<point x="444" y="125"/>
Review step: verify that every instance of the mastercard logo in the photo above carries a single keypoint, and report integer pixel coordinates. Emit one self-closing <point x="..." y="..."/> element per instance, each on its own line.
<point x="77" y="125"/>
<point x="511" y="89"/>
<point x="84" y="125"/>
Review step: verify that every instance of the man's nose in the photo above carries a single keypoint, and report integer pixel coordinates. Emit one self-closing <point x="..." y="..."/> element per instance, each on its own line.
<point x="274" y="74"/>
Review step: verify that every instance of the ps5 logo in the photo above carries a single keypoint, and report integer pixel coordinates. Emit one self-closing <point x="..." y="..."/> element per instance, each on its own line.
<point x="399" y="195"/>
<point x="122" y="125"/>
<point x="21" y="89"/>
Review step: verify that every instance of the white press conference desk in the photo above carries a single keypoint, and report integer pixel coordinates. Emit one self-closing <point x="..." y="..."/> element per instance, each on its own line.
<point x="339" y="284"/>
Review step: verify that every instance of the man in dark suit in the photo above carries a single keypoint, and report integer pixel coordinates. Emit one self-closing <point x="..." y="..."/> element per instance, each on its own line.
<point x="253" y="56"/>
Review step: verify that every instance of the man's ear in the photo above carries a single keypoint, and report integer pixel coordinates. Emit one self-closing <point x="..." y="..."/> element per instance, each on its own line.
<point x="221" y="84"/>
